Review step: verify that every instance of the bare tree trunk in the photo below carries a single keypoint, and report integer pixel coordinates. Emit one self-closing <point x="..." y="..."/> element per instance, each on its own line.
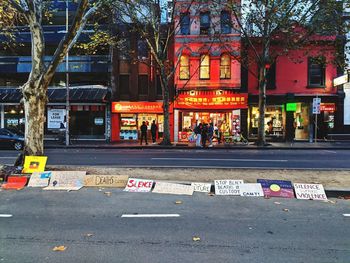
<point x="262" y="104"/>
<point x="166" y="133"/>
<point x="34" y="108"/>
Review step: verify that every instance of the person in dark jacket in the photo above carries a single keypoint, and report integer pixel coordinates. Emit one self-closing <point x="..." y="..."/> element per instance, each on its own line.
<point x="204" y="134"/>
<point x="154" y="129"/>
<point x="143" y="129"/>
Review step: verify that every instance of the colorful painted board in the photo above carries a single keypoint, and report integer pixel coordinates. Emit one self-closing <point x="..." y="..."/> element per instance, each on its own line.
<point x="15" y="183"/>
<point x="277" y="188"/>
<point x="39" y="179"/>
<point x="34" y="164"/>
<point x="66" y="180"/>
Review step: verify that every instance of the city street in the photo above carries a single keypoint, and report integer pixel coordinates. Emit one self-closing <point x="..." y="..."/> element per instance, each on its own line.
<point x="233" y="158"/>
<point x="89" y="224"/>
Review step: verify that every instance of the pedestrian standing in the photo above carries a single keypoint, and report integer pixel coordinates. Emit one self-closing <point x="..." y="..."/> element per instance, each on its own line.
<point x="143" y="129"/>
<point x="198" y="130"/>
<point x="154" y="129"/>
<point x="211" y="134"/>
<point x="204" y="134"/>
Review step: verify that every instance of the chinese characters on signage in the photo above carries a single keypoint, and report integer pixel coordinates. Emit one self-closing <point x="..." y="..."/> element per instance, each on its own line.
<point x="137" y="107"/>
<point x="227" y="101"/>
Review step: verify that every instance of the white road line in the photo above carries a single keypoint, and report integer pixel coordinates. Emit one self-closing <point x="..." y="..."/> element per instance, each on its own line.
<point x="5" y="215"/>
<point x="328" y="151"/>
<point x="8" y="157"/>
<point x="346" y="215"/>
<point x="225" y="160"/>
<point x="152" y="215"/>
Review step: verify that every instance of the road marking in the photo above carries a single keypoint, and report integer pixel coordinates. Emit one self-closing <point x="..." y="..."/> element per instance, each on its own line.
<point x="5" y="215"/>
<point x="211" y="159"/>
<point x="328" y="151"/>
<point x="8" y="157"/>
<point x="152" y="215"/>
<point x="346" y="215"/>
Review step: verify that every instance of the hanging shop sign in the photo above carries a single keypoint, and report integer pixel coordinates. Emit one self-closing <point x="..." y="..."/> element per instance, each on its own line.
<point x="291" y="106"/>
<point x="212" y="101"/>
<point x="341" y="80"/>
<point x="137" y="107"/>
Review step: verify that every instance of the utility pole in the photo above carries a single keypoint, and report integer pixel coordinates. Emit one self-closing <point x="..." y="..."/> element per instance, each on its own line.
<point x="67" y="80"/>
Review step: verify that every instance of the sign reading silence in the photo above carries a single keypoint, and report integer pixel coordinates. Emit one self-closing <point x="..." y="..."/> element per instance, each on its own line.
<point x="310" y="191"/>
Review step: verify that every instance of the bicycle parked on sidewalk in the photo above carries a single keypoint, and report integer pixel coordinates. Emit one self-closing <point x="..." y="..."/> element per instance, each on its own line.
<point x="235" y="139"/>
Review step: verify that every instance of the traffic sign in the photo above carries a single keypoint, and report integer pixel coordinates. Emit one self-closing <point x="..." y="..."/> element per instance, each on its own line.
<point x="316" y="106"/>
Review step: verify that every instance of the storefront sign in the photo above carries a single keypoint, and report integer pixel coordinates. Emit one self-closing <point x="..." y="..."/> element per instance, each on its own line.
<point x="251" y="190"/>
<point x="292" y="106"/>
<point x="98" y="121"/>
<point x="227" y="187"/>
<point x="316" y="105"/>
<point x="106" y="180"/>
<point x="170" y="188"/>
<point x="137" y="107"/>
<point x="138" y="185"/>
<point x="341" y="80"/>
<point x="55" y="117"/>
<point x="34" y="164"/>
<point x="227" y="101"/>
<point x="310" y="191"/>
<point x="327" y="107"/>
<point x="201" y="187"/>
<point x="277" y="188"/>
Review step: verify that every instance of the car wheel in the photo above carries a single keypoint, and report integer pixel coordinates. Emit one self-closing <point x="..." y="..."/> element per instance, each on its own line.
<point x="18" y="146"/>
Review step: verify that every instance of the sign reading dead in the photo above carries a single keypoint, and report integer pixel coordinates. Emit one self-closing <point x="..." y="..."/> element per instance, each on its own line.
<point x="310" y="191"/>
<point x="227" y="187"/>
<point x="138" y="185"/>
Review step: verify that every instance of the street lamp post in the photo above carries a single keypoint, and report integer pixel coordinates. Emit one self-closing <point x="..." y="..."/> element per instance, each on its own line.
<point x="67" y="80"/>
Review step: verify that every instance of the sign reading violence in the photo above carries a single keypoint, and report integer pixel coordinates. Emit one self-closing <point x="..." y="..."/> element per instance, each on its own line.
<point x="138" y="185"/>
<point x="310" y="191"/>
<point x="227" y="187"/>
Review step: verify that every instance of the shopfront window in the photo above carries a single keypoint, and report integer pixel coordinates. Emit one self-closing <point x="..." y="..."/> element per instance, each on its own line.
<point x="225" y="67"/>
<point x="14" y="118"/>
<point x="274" y="121"/>
<point x="87" y="121"/>
<point x="204" y="71"/>
<point x="184" y="67"/>
<point x="301" y="121"/>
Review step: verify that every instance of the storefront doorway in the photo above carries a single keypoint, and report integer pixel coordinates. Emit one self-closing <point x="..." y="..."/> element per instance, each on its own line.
<point x="302" y="121"/>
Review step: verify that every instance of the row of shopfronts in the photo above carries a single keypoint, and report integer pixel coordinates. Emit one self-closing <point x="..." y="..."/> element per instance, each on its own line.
<point x="232" y="113"/>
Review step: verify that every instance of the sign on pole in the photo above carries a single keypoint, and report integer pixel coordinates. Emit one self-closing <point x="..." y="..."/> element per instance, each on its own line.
<point x="316" y="106"/>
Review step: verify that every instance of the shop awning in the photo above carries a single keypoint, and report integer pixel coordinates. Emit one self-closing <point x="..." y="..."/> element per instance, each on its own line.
<point x="80" y="94"/>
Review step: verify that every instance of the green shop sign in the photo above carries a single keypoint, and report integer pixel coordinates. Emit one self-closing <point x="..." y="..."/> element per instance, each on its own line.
<point x="291" y="106"/>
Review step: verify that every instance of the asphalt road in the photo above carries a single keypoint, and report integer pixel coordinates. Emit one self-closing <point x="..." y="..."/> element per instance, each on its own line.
<point x="231" y="229"/>
<point x="279" y="159"/>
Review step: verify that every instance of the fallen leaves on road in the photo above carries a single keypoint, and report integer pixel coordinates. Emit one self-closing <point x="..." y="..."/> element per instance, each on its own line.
<point x="88" y="235"/>
<point x="286" y="210"/>
<point x="211" y="194"/>
<point x="59" y="248"/>
<point x="195" y="238"/>
<point x="330" y="201"/>
<point x="267" y="197"/>
<point x="178" y="202"/>
<point x="277" y="203"/>
<point x="108" y="193"/>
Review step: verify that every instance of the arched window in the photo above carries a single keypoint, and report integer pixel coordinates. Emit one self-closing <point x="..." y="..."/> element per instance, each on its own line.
<point x="204" y="70"/>
<point x="225" y="66"/>
<point x="184" y="67"/>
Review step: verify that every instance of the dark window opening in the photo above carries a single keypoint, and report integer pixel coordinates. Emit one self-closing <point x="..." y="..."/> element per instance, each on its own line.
<point x="271" y="77"/>
<point x="124" y="84"/>
<point x="143" y="84"/>
<point x="185" y="23"/>
<point x="316" y="72"/>
<point x="225" y="22"/>
<point x="205" y="23"/>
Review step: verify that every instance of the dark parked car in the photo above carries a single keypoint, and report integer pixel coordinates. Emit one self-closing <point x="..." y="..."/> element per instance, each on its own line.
<point x="9" y="139"/>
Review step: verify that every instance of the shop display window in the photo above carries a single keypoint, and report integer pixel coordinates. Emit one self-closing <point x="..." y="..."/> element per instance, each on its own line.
<point x="274" y="121"/>
<point x="301" y="121"/>
<point x="14" y="118"/>
<point x="128" y="127"/>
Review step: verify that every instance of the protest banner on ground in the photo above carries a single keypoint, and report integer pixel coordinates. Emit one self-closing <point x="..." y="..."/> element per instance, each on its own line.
<point x="66" y="180"/>
<point x="39" y="179"/>
<point x="172" y="188"/>
<point x="138" y="185"/>
<point x="201" y="187"/>
<point x="34" y="164"/>
<point x="251" y="190"/>
<point x="106" y="180"/>
<point x="277" y="188"/>
<point x="227" y="187"/>
<point x="15" y="183"/>
<point x="310" y="191"/>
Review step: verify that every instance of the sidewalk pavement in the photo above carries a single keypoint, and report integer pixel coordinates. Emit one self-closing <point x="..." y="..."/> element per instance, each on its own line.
<point x="297" y="145"/>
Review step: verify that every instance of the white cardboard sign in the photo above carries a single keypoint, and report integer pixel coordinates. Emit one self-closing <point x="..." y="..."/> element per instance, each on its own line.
<point x="310" y="191"/>
<point x="39" y="179"/>
<point x="170" y="188"/>
<point x="227" y="187"/>
<point x="138" y="185"/>
<point x="251" y="190"/>
<point x="201" y="187"/>
<point x="66" y="180"/>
